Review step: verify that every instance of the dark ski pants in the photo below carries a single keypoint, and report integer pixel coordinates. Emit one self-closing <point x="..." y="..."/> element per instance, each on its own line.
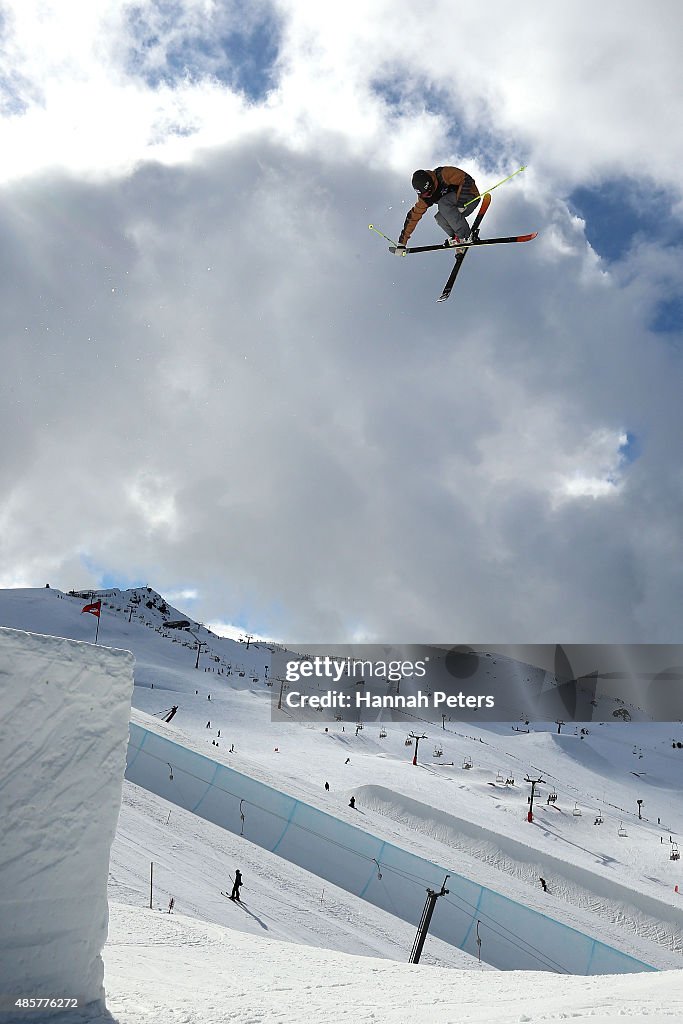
<point x="451" y="217"/>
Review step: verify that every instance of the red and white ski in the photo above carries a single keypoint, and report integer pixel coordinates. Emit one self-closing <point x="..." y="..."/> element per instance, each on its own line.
<point x="471" y="242"/>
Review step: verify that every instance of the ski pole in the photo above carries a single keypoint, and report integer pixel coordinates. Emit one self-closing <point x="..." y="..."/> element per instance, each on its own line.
<point x="470" y="201"/>
<point x="373" y="228"/>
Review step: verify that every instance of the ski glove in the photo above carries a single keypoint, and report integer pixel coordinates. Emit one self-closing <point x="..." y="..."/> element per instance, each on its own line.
<point x="400" y="250"/>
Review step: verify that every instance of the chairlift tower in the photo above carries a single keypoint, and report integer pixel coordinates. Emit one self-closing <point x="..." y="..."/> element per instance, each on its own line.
<point x="423" y="926"/>
<point x="534" y="783"/>
<point x="281" y="680"/>
<point x="417" y="744"/>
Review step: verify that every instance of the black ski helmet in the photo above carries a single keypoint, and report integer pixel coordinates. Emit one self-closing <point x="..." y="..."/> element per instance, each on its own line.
<point x="422" y="182"/>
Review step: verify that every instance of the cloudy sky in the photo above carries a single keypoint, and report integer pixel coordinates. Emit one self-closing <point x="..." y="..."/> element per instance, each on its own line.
<point x="217" y="381"/>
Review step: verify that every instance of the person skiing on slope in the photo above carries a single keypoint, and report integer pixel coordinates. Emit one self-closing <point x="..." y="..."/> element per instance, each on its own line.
<point x="450" y="188"/>
<point x="235" y="895"/>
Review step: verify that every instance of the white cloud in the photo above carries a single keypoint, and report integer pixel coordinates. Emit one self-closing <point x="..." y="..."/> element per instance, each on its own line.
<point x="151" y="499"/>
<point x="184" y="594"/>
<point x="597" y="471"/>
<point x="239" y="633"/>
<point x="588" y="487"/>
<point x="213" y="372"/>
<point x="537" y="82"/>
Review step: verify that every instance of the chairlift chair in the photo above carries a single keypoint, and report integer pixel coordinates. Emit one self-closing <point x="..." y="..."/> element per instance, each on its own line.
<point x="621" y="831"/>
<point x="467" y="762"/>
<point x="577" y="811"/>
<point x="438" y="751"/>
<point x="674" y="855"/>
<point x="499" y="777"/>
<point x="382" y="734"/>
<point x="599" y="819"/>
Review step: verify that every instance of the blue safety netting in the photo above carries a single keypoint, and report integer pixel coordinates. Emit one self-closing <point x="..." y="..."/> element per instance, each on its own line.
<point x="513" y="936"/>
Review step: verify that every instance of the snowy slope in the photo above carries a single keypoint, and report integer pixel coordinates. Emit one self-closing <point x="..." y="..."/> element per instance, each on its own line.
<point x="618" y="887"/>
<point x="341" y="846"/>
<point x="160" y="968"/>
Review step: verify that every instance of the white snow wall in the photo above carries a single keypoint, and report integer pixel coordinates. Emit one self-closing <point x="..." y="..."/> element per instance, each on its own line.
<point x="64" y="714"/>
<point x="514" y="937"/>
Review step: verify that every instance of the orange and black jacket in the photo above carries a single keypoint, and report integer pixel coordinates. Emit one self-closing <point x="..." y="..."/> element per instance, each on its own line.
<point x="446" y="179"/>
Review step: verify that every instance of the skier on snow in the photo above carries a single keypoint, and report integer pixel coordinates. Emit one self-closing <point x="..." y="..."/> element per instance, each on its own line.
<point x="235" y="895"/>
<point x="450" y="188"/>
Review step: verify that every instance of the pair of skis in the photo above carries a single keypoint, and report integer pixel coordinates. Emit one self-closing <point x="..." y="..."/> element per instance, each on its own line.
<point x="473" y="240"/>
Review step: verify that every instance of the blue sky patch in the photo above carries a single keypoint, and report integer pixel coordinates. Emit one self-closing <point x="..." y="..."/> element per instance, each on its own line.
<point x="12" y="95"/>
<point x="253" y="56"/>
<point x="668" y="316"/>
<point x="110" y="580"/>
<point x="405" y="97"/>
<point x="618" y="211"/>
<point x="240" y="55"/>
<point x="630" y="450"/>
<point x="14" y="88"/>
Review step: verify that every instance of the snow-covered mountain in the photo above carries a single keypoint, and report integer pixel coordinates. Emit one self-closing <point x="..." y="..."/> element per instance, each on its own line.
<point x="604" y="842"/>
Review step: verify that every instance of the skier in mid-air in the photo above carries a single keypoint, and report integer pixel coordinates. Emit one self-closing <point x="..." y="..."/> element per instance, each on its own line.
<point x="450" y="188"/>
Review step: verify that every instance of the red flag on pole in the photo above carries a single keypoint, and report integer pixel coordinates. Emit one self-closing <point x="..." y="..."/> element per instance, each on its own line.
<point x="95" y="608"/>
